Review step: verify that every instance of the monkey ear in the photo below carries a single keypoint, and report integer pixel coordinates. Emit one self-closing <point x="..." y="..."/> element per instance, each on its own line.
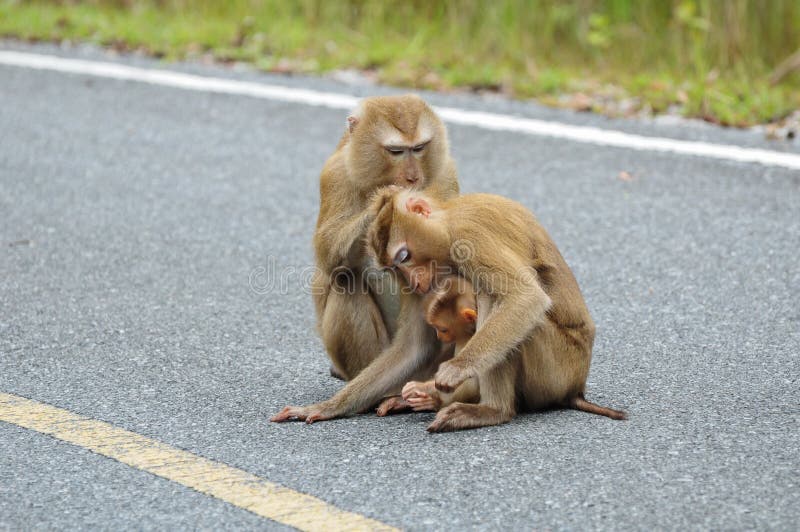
<point x="469" y="315"/>
<point x="352" y="122"/>
<point x="418" y="206"/>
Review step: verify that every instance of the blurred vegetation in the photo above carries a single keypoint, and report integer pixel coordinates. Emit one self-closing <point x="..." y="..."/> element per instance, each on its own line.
<point x="713" y="59"/>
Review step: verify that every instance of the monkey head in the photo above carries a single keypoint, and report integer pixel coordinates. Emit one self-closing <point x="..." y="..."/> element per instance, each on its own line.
<point x="451" y="308"/>
<point x="394" y="140"/>
<point x="408" y="234"/>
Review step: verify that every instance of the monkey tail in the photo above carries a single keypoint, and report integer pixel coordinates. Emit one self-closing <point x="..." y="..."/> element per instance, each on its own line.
<point x="579" y="403"/>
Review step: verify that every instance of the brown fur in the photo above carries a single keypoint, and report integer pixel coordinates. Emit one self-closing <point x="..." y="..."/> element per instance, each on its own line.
<point x="444" y="310"/>
<point x="356" y="321"/>
<point x="533" y="345"/>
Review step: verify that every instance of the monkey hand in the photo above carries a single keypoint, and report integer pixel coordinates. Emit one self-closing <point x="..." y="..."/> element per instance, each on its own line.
<point x="411" y="389"/>
<point x="423" y="402"/>
<point x="381" y="198"/>
<point x="451" y="374"/>
<point x="309" y="414"/>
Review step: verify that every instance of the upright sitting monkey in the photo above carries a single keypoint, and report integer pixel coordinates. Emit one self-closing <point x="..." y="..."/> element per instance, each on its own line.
<point x="390" y="140"/>
<point x="533" y="346"/>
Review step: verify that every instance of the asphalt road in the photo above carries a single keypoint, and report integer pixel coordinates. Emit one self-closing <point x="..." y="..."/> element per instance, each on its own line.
<point x="132" y="217"/>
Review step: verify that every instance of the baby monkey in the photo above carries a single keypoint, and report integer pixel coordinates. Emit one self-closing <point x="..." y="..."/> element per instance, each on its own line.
<point x="452" y="309"/>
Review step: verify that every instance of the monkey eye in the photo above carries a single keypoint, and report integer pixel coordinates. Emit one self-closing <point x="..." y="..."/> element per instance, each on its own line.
<point x="394" y="150"/>
<point x="419" y="147"/>
<point x="402" y="255"/>
<point x="443" y="330"/>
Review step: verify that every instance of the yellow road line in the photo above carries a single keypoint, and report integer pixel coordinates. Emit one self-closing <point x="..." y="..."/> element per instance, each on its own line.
<point x="216" y="479"/>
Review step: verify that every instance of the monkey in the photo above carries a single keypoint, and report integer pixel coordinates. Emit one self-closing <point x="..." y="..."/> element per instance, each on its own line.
<point x="452" y="310"/>
<point x="388" y="141"/>
<point x="532" y="346"/>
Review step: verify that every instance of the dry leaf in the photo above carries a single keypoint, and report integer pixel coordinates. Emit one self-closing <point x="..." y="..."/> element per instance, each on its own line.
<point x="625" y="176"/>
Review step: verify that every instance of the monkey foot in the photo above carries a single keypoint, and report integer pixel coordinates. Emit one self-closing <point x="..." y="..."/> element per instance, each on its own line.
<point x="309" y="414"/>
<point x="460" y="416"/>
<point x="392" y="405"/>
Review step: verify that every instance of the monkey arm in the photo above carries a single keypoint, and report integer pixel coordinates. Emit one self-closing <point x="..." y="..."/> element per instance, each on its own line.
<point x="512" y="318"/>
<point x="338" y="239"/>
<point x="413" y="345"/>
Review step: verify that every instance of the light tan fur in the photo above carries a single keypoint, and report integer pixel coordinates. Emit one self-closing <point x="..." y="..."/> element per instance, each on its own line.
<point x="367" y="329"/>
<point x="451" y="308"/>
<point x="533" y="344"/>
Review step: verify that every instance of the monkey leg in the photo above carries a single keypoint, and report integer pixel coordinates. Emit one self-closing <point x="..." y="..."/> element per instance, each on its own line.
<point x="352" y="331"/>
<point x="554" y="368"/>
<point x="467" y="392"/>
<point x="496" y="406"/>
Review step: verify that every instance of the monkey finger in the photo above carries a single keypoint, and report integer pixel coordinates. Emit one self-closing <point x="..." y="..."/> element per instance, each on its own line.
<point x="288" y="413"/>
<point x="443" y="422"/>
<point x="408" y="395"/>
<point x="437" y="425"/>
<point x="380" y="198"/>
<point x="424" y="406"/>
<point x="317" y="416"/>
<point x="392" y="405"/>
<point x="410" y="389"/>
<point x="445" y="387"/>
<point x="417" y="395"/>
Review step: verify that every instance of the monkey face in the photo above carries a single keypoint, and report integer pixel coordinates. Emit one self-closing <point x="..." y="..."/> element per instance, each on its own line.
<point x="419" y="276"/>
<point x="451" y="326"/>
<point x="395" y="141"/>
<point x="445" y="335"/>
<point x="404" y="163"/>
<point x="401" y="237"/>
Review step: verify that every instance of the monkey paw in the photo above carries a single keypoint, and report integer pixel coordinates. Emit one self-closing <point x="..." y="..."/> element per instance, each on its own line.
<point x="450" y="376"/>
<point x="392" y="405"/>
<point x="412" y="388"/>
<point x="381" y="197"/>
<point x="309" y="414"/>
<point x="422" y="402"/>
<point x="448" y="419"/>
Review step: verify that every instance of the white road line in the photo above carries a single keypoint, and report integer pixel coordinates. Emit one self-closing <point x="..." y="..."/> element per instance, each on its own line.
<point x="492" y="121"/>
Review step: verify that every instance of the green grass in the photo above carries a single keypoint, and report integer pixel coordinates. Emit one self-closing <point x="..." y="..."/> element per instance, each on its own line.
<point x="703" y="58"/>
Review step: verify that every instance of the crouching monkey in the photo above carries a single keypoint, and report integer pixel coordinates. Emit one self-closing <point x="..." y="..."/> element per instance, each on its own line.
<point x="533" y="346"/>
<point x="366" y="327"/>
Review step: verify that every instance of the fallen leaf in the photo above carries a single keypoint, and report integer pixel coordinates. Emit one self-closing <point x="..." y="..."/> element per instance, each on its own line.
<point x="625" y="176"/>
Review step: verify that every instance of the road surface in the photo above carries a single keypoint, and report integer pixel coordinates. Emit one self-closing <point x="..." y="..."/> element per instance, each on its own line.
<point x="155" y="245"/>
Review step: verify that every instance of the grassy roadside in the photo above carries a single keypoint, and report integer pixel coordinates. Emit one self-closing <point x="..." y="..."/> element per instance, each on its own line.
<point x="710" y="59"/>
